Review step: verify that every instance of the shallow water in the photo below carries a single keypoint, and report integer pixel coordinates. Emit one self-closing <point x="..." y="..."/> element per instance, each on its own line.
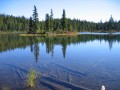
<point x="66" y="62"/>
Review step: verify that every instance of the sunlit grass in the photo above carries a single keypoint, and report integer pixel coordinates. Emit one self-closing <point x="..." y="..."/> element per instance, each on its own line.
<point x="31" y="35"/>
<point x="67" y="33"/>
<point x="31" y="78"/>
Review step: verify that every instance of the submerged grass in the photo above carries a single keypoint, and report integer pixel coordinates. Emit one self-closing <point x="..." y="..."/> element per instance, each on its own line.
<point x="5" y="88"/>
<point x="31" y="78"/>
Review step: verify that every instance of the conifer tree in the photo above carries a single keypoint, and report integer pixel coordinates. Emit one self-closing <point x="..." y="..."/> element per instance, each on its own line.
<point x="35" y="19"/>
<point x="30" y="25"/>
<point x="51" y="20"/>
<point x="47" y="23"/>
<point x="64" y="21"/>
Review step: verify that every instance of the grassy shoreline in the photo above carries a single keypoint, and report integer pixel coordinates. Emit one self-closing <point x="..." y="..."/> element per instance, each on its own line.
<point x="52" y="34"/>
<point x="12" y="32"/>
<point x="30" y="35"/>
<point x="62" y="34"/>
<point x="67" y="33"/>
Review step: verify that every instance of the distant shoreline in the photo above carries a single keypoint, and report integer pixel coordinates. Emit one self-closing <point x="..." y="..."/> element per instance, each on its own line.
<point x="52" y="34"/>
<point x="58" y="34"/>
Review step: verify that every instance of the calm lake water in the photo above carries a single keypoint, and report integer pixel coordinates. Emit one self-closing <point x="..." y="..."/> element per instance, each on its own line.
<point x="65" y="62"/>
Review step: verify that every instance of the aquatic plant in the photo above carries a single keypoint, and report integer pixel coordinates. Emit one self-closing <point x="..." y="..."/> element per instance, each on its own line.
<point x="5" y="88"/>
<point x="31" y="77"/>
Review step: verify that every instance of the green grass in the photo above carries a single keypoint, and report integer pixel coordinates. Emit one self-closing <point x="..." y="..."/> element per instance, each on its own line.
<point x="12" y="32"/>
<point x="31" y="35"/>
<point x="67" y="33"/>
<point x="31" y="78"/>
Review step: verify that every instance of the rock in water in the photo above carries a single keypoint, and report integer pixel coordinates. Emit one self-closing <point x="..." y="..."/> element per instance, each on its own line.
<point x="103" y="87"/>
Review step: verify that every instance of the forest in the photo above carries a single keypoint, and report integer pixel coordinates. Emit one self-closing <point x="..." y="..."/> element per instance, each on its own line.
<point x="10" y="23"/>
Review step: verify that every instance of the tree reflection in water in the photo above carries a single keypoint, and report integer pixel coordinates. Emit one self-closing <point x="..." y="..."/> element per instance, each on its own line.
<point x="12" y="41"/>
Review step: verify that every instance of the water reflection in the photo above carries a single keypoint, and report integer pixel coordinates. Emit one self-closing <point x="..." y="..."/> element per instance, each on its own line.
<point x="34" y="47"/>
<point x="76" y="60"/>
<point x="11" y="42"/>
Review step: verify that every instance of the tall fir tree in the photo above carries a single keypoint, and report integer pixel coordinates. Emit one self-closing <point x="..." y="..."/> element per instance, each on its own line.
<point x="35" y="19"/>
<point x="64" y="21"/>
<point x="51" y="20"/>
<point x="47" y="23"/>
<point x="30" y="25"/>
<point x="111" y="23"/>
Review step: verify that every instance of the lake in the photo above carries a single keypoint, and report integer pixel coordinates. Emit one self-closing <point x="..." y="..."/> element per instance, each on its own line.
<point x="83" y="62"/>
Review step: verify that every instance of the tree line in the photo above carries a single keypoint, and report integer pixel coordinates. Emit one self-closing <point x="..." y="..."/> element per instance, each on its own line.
<point x="12" y="23"/>
<point x="51" y="24"/>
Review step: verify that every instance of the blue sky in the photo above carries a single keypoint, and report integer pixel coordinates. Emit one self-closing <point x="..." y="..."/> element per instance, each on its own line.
<point x="90" y="10"/>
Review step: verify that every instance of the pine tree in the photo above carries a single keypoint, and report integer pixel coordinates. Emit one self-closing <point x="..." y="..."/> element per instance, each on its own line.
<point x="47" y="23"/>
<point x="111" y="23"/>
<point x="30" y="25"/>
<point x="70" y="27"/>
<point x="64" y="21"/>
<point x="35" y="19"/>
<point x="51" y="20"/>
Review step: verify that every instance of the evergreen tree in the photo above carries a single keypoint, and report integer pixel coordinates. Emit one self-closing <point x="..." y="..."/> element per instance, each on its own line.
<point x="35" y="19"/>
<point x="30" y="25"/>
<point x="111" y="23"/>
<point x="64" y="21"/>
<point x="51" y="20"/>
<point x="111" y="19"/>
<point x="47" y="23"/>
<point x="1" y="23"/>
